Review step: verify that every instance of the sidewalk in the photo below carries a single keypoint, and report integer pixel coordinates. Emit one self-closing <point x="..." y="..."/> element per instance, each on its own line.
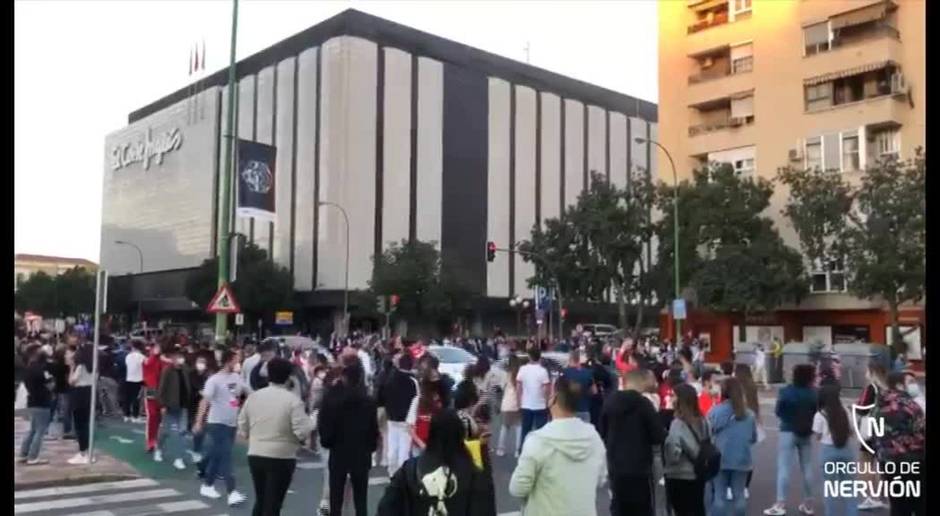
<point x="59" y="472"/>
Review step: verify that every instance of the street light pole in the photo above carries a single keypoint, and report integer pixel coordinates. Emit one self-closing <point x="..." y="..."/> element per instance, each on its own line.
<point x="346" y="288"/>
<point x="221" y="320"/>
<point x="675" y="221"/>
<point x="140" y="261"/>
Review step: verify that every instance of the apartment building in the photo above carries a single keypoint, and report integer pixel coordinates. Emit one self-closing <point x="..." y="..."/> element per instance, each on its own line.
<point x="763" y="84"/>
<point x="25" y="265"/>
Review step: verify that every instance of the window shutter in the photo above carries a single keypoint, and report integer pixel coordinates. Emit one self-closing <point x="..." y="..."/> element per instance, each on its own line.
<point x="741" y="51"/>
<point x="831" y="152"/>
<point x="742" y="107"/>
<point x="816" y="34"/>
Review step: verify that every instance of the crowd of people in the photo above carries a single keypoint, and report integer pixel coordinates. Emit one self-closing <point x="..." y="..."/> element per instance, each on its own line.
<point x="645" y="419"/>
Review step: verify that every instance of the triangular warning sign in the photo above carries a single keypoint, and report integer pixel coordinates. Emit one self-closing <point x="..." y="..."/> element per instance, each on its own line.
<point x="223" y="302"/>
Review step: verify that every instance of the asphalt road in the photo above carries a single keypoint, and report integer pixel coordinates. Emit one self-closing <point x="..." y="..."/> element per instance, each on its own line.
<point x="165" y="490"/>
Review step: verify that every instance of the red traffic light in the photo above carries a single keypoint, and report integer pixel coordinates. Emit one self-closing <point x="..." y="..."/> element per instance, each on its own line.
<point x="564" y="313"/>
<point x="490" y="251"/>
<point x="394" y="300"/>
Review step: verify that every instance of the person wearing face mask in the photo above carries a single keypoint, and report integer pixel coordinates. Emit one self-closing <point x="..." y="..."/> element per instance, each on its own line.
<point x="913" y="388"/>
<point x="204" y="366"/>
<point x="173" y="395"/>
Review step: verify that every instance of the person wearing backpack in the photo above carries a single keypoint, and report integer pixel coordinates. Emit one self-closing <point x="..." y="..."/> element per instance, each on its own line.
<point x="796" y="408"/>
<point x="734" y="431"/>
<point x="687" y="454"/>
<point x="442" y="481"/>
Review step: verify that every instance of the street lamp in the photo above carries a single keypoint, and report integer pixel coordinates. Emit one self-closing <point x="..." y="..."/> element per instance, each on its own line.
<point x="675" y="220"/>
<point x="519" y="304"/>
<point x="346" y="288"/>
<point x="140" y="258"/>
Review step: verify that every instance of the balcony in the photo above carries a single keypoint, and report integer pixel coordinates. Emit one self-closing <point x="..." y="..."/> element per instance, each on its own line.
<point x="701" y="91"/>
<point x="717" y="19"/>
<point x="700" y="41"/>
<point x="722" y="134"/>
<point x="881" y="46"/>
<point x="889" y="110"/>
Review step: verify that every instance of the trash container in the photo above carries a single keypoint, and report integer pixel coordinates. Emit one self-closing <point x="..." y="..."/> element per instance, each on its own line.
<point x="855" y="358"/>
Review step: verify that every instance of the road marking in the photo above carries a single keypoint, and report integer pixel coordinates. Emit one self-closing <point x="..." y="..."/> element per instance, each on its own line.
<point x="86" y="488"/>
<point x="160" y="508"/>
<point x="93" y="500"/>
<point x="513" y="513"/>
<point x="311" y="465"/>
<point x="121" y="440"/>
<point x="377" y="481"/>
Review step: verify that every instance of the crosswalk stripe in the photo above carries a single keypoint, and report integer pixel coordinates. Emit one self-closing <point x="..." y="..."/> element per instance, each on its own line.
<point x="86" y="488"/>
<point x="63" y="503"/>
<point x="311" y="465"/>
<point x="150" y="510"/>
<point x="513" y="513"/>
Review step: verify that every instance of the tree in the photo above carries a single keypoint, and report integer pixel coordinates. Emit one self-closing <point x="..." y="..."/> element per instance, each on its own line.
<point x="731" y="256"/>
<point x="875" y="225"/>
<point x="596" y="245"/>
<point x="261" y="286"/>
<point x="71" y="293"/>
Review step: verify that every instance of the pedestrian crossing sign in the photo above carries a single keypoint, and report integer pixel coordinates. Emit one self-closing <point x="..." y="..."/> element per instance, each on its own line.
<point x="223" y="302"/>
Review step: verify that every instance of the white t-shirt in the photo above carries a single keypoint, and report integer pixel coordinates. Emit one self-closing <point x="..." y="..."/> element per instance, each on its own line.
<point x="821" y="427"/>
<point x="533" y="378"/>
<point x="135" y="366"/>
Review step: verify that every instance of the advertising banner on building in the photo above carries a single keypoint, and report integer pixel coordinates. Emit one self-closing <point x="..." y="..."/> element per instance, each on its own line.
<point x="255" y="177"/>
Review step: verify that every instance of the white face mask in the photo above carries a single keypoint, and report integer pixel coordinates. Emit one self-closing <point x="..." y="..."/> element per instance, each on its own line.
<point x="200" y="366"/>
<point x="913" y="389"/>
<point x="715" y="390"/>
<point x="180" y="361"/>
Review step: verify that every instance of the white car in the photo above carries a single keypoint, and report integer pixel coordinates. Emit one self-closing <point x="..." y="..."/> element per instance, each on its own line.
<point x="453" y="360"/>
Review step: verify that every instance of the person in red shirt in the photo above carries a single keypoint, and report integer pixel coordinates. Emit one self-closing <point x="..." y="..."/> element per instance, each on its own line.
<point x="625" y="360"/>
<point x="711" y="391"/>
<point x="152" y="368"/>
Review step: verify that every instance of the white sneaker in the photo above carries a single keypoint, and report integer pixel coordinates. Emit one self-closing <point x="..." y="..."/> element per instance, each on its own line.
<point x="127" y="419"/>
<point x="179" y="464"/>
<point x="775" y="510"/>
<point x="728" y="495"/>
<point x="805" y="509"/>
<point x="747" y="494"/>
<point x="870" y="504"/>
<point x="195" y="456"/>
<point x="157" y="456"/>
<point x="236" y="498"/>
<point x="662" y="481"/>
<point x="78" y="459"/>
<point x="209" y="492"/>
<point x="500" y="453"/>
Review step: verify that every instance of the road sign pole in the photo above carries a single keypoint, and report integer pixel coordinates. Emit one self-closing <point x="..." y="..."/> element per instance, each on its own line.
<point x="101" y="292"/>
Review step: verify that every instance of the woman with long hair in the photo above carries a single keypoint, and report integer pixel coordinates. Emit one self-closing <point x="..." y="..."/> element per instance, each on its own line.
<point x="902" y="443"/>
<point x="877" y="377"/>
<point x="734" y="431"/>
<point x="425" y="405"/>
<point x="509" y="408"/>
<point x="745" y="375"/>
<point x="685" y="492"/>
<point x="831" y="427"/>
<point x="81" y="380"/>
<point x="441" y="481"/>
<point x="796" y="407"/>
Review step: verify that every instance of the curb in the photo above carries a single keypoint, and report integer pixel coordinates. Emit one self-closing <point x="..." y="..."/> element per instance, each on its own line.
<point x="74" y="481"/>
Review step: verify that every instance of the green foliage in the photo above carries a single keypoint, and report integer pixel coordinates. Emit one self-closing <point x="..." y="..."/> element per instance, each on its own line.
<point x="69" y="294"/>
<point x="877" y="225"/>
<point x="730" y="255"/>
<point x="261" y="286"/>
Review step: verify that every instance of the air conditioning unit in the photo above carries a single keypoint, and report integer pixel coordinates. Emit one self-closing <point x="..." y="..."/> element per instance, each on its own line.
<point x="899" y="85"/>
<point x="796" y="153"/>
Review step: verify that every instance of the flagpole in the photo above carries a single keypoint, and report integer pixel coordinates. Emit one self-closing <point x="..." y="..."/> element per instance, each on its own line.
<point x="222" y="240"/>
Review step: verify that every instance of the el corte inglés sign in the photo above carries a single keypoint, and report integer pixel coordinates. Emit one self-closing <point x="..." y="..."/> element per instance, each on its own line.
<point x="145" y="150"/>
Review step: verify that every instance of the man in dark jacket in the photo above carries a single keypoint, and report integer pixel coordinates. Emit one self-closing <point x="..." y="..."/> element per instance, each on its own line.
<point x="395" y="395"/>
<point x="349" y="428"/>
<point x="173" y="394"/>
<point x="630" y="428"/>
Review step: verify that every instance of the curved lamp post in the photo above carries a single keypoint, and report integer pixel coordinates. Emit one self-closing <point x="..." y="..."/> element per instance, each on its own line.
<point x="346" y="288"/>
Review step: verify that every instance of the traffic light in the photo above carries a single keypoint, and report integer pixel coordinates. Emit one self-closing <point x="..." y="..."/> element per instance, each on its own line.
<point x="394" y="301"/>
<point x="380" y="304"/>
<point x="490" y="251"/>
<point x="564" y="313"/>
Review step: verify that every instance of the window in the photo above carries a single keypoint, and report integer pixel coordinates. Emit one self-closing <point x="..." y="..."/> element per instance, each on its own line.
<point x="818" y="96"/>
<point x="742" y="107"/>
<point x="816" y="38"/>
<point x="813" y="153"/>
<point x="740" y="6"/>
<point x="849" y="89"/>
<point x="887" y="143"/>
<point x="742" y="58"/>
<point x="744" y="167"/>
<point x="850" y="158"/>
<point x="828" y="278"/>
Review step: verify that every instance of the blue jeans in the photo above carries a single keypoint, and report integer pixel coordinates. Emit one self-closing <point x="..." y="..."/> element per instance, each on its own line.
<point x="834" y="505"/>
<point x="62" y="412"/>
<point x="38" y="424"/>
<point x="532" y="420"/>
<point x="218" y="460"/>
<point x="788" y="442"/>
<point x="735" y="480"/>
<point x="172" y="429"/>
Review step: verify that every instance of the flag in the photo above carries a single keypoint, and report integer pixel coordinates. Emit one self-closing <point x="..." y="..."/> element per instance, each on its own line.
<point x="191" y="61"/>
<point x="203" y="61"/>
<point x="255" y="180"/>
<point x="196" y="53"/>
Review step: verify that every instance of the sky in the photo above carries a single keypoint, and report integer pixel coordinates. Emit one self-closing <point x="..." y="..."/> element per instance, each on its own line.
<point x="81" y="66"/>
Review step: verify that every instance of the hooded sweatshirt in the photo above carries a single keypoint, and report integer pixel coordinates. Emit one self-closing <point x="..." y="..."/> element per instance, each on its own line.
<point x="561" y="466"/>
<point x="630" y="427"/>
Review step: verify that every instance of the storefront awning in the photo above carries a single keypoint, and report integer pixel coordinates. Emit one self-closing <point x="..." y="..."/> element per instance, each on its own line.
<point x="868" y="13"/>
<point x="826" y="77"/>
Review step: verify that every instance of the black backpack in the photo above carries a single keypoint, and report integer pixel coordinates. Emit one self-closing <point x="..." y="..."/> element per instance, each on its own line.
<point x="708" y="461"/>
<point x="803" y="419"/>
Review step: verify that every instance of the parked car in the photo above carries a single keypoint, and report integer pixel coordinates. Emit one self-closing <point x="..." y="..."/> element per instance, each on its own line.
<point x="453" y="360"/>
<point x="600" y="330"/>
